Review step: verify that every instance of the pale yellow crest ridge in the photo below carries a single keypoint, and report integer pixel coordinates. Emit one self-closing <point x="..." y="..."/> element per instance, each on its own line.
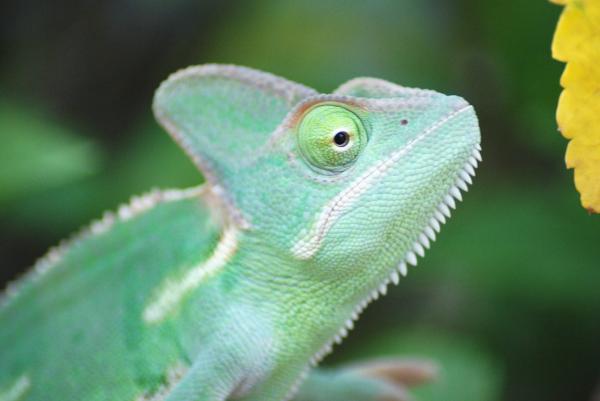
<point x="173" y="291"/>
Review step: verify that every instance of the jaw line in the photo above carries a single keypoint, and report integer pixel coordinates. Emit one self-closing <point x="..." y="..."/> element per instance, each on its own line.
<point x="463" y="179"/>
<point x="309" y="242"/>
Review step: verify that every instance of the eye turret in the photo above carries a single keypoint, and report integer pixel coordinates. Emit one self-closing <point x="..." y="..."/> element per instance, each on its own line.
<point x="331" y="137"/>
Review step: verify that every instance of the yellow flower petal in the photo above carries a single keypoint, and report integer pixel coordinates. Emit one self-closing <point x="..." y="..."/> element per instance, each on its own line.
<point x="578" y="116"/>
<point x="585" y="159"/>
<point x="577" y="42"/>
<point x="573" y="31"/>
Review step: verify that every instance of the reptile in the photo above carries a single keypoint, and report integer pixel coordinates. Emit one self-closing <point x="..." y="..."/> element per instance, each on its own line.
<point x="235" y="290"/>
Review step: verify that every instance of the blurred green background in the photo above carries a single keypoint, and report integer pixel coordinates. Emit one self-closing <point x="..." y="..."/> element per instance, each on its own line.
<point x="507" y="300"/>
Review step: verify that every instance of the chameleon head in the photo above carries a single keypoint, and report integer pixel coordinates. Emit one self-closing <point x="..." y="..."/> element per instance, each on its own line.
<point x="350" y="184"/>
<point x="363" y="183"/>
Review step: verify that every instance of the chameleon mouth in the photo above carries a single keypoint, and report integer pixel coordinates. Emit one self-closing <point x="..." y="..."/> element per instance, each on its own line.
<point x="422" y="242"/>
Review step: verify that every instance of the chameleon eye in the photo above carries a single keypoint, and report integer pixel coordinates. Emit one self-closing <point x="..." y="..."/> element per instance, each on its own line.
<point x="331" y="137"/>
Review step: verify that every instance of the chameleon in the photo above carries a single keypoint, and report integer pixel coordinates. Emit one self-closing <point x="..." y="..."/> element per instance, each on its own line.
<point x="236" y="289"/>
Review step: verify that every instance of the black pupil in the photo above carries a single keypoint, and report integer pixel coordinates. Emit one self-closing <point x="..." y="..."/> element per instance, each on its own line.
<point x="341" y="138"/>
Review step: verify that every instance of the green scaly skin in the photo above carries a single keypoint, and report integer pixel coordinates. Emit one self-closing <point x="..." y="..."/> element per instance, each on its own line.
<point x="234" y="289"/>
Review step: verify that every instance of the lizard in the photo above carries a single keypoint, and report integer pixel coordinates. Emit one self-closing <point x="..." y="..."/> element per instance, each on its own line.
<point x="236" y="289"/>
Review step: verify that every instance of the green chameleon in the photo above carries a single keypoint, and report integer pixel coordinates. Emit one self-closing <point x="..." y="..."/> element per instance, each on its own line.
<point x="236" y="289"/>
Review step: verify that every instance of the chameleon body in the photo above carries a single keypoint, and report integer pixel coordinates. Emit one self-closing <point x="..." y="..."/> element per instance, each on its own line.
<point x="233" y="290"/>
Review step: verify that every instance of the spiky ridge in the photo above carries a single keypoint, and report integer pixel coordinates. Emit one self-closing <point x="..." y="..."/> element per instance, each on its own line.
<point x="135" y="207"/>
<point x="423" y="242"/>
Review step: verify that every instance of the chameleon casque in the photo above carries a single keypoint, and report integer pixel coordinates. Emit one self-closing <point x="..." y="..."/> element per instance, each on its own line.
<point x="313" y="204"/>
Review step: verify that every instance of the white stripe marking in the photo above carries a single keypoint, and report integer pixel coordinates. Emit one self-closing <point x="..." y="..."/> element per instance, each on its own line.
<point x="310" y="242"/>
<point x="17" y="390"/>
<point x="174" y="291"/>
